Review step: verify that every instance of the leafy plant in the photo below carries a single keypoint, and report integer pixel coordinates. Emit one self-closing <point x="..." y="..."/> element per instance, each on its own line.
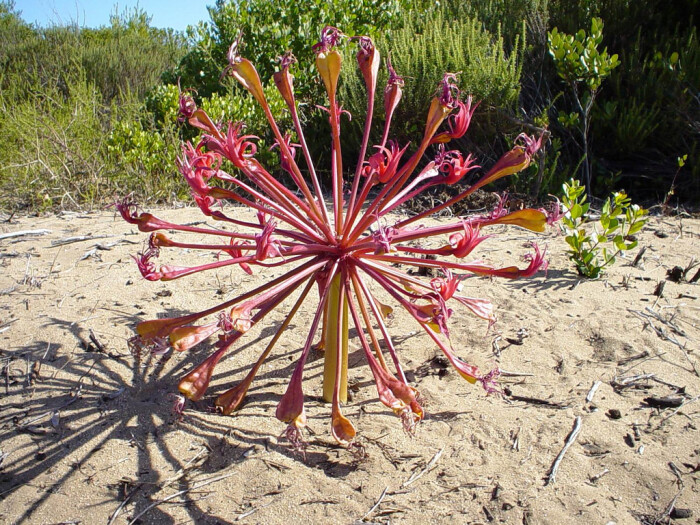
<point x="583" y="67"/>
<point x="74" y="127"/>
<point x="592" y="250"/>
<point x="350" y="246"/>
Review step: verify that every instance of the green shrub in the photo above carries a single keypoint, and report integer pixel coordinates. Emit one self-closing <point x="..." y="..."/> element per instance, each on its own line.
<point x="583" y="67"/>
<point x="128" y="55"/>
<point x="144" y="155"/>
<point x="74" y="122"/>
<point x="657" y="42"/>
<point x="656" y="114"/>
<point x="504" y="17"/>
<point x="53" y="148"/>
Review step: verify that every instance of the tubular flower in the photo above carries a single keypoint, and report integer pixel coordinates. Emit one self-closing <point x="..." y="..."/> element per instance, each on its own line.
<point x="382" y="166"/>
<point x="514" y="161"/>
<point x="368" y="61"/>
<point x="441" y="105"/>
<point x="328" y="59"/>
<point x="355" y="253"/>
<point x="457" y="122"/>
<point x="186" y="106"/>
<point x="392" y="96"/>
<point x="237" y="253"/>
<point x="284" y="80"/>
<point x="462" y="244"/>
<point x="453" y="166"/>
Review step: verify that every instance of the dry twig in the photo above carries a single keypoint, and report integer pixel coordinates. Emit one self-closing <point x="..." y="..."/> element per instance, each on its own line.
<point x="420" y="473"/>
<point x="592" y="391"/>
<point x="552" y="475"/>
<point x="376" y="505"/>
<point x="23" y="233"/>
<point x="179" y="493"/>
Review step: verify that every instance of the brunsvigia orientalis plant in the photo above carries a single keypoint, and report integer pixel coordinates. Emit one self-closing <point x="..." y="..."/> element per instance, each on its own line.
<point x="347" y="246"/>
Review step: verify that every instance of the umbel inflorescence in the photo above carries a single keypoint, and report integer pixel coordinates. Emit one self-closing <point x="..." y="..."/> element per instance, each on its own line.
<point x="333" y="246"/>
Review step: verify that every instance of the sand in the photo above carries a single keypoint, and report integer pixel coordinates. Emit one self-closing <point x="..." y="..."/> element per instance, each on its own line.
<point x="88" y="434"/>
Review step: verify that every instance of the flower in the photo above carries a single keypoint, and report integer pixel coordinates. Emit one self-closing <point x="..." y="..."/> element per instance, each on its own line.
<point x="336" y="247"/>
<point x="457" y="122"/>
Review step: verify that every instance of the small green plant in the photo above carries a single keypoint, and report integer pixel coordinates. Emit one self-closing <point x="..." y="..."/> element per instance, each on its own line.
<point x="681" y="162"/>
<point x="619" y="221"/>
<point x="583" y="67"/>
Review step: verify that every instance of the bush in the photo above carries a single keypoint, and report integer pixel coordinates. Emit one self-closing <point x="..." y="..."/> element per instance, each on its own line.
<point x="143" y="151"/>
<point x="53" y="154"/>
<point x="74" y="124"/>
<point x="657" y="43"/>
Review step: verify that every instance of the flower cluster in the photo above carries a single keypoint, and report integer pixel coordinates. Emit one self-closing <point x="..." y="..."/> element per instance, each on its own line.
<point x="337" y="243"/>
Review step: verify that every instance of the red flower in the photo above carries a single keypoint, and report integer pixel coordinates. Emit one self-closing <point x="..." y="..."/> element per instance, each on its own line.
<point x="457" y="122"/>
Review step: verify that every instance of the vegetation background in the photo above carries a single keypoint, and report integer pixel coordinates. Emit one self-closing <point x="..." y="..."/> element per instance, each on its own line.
<point x="90" y="113"/>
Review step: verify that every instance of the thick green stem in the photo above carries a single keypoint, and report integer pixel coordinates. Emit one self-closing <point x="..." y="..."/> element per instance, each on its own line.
<point x="336" y="332"/>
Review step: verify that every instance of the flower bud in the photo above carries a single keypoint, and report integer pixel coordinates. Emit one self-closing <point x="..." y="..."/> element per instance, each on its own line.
<point x="195" y="384"/>
<point x="368" y="62"/>
<point x="328" y="66"/>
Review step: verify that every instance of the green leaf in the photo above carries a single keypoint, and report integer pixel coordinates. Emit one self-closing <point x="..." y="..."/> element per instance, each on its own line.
<point x="619" y="242"/>
<point x="576" y="211"/>
<point x="636" y="227"/>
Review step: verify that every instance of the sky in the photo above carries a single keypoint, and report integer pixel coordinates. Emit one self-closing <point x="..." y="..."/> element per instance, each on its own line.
<point x="177" y="14"/>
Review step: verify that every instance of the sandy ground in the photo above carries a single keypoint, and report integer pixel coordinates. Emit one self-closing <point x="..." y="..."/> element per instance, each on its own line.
<point x="87" y="432"/>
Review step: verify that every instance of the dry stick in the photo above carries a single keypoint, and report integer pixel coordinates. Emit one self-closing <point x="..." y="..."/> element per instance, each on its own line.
<point x="26" y="424"/>
<point x="121" y="505"/>
<point x="629" y="381"/>
<point x="180" y="493"/>
<point x="594" y="479"/>
<point x="79" y="238"/>
<point x="251" y="511"/>
<point x="684" y="404"/>
<point x="660" y="331"/>
<point x="676" y="472"/>
<point x="665" y="336"/>
<point x="592" y="391"/>
<point x="671" y="505"/>
<point x="667" y="322"/>
<point x="552" y="476"/>
<point x="419" y="474"/>
<point x="536" y="401"/>
<point x="181" y="472"/>
<point x="631" y="358"/>
<point x="644" y="360"/>
<point x="376" y="505"/>
<point x="23" y="233"/>
<point x="666" y="383"/>
<point x="639" y="256"/>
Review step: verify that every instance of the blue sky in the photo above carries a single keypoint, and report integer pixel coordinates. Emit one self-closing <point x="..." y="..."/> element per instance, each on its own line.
<point x="177" y="14"/>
